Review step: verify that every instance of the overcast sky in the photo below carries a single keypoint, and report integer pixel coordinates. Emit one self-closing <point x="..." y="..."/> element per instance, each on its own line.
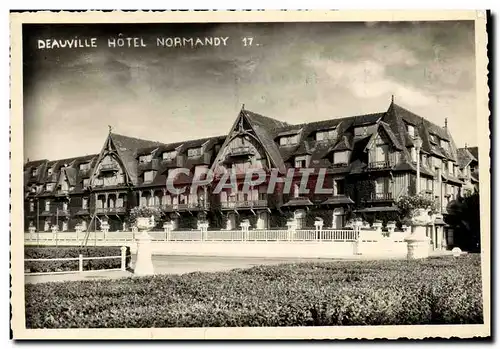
<point x="296" y="72"/>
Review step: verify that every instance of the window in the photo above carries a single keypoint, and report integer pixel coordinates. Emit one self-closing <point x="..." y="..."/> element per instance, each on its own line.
<point x="423" y="160"/>
<point x="381" y="153"/>
<point x="445" y="144"/>
<point x="341" y="157"/>
<point x="32" y="206"/>
<point x="380" y="185"/>
<point x="289" y="140"/>
<point x="296" y="192"/>
<point x="49" y="186"/>
<point x="149" y="175"/>
<point x="194" y="152"/>
<point x="85" y="203"/>
<point x="429" y="184"/>
<point x="169" y="155"/>
<point x="301" y="161"/>
<point x="49" y="172"/>
<point x="86" y="182"/>
<point x="450" y="169"/>
<point x="85" y="166"/>
<point x="326" y="135"/>
<point x="47" y="205"/>
<point x="145" y="158"/>
<point x="360" y="131"/>
<point x="338" y="187"/>
<point x="34" y="172"/>
<point x="413" y="153"/>
<point x="411" y="130"/>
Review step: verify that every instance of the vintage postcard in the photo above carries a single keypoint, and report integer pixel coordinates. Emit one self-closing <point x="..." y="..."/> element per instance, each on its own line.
<point x="244" y="175"/>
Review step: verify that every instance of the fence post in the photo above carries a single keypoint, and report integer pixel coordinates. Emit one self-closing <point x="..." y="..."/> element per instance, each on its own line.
<point x="80" y="263"/>
<point x="124" y="258"/>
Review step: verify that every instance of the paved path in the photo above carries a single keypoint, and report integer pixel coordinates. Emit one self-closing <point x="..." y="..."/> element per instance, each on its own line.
<point x="187" y="264"/>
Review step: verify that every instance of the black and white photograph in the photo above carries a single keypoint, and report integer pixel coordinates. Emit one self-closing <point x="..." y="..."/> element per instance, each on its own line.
<point x="245" y="172"/>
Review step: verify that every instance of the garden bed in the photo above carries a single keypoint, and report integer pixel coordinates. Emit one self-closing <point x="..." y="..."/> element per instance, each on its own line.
<point x="393" y="292"/>
<point x="48" y="252"/>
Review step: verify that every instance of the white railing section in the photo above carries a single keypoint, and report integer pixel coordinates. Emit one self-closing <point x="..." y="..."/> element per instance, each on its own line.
<point x="198" y="235"/>
<point x="80" y="260"/>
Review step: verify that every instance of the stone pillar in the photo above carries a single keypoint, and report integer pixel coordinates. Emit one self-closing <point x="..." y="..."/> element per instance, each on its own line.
<point x="175" y="223"/>
<point x="292" y="226"/>
<point x="144" y="262"/>
<point x="418" y="241"/>
<point x="318" y="224"/>
<point x="261" y="220"/>
<point x="231" y="221"/>
<point x="299" y="216"/>
<point x="244" y="228"/>
<point x="203" y="226"/>
<point x="378" y="226"/>
<point x="104" y="226"/>
<point x="391" y="226"/>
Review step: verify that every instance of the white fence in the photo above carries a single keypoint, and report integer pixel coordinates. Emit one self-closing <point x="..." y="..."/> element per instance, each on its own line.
<point x="326" y="243"/>
<point x="197" y="235"/>
<point x="80" y="260"/>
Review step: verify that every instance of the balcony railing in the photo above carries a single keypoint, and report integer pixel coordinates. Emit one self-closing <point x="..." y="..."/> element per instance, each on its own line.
<point x="117" y="209"/>
<point x="381" y="196"/>
<point x="239" y="151"/>
<point x="109" y="167"/>
<point x="243" y="204"/>
<point x="180" y="207"/>
<point x="380" y="165"/>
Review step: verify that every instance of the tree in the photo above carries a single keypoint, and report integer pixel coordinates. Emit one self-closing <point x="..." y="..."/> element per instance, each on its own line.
<point x="464" y="218"/>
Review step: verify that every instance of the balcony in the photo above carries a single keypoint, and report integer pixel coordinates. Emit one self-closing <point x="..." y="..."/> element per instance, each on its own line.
<point x="110" y="210"/>
<point x="240" y="151"/>
<point x="229" y="205"/>
<point x="180" y="207"/>
<point x="198" y="206"/>
<point x="379" y="165"/>
<point x="381" y="197"/>
<point x="109" y="167"/>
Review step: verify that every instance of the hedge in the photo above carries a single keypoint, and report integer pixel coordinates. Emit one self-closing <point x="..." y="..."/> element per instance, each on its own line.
<point x="432" y="291"/>
<point x="46" y="252"/>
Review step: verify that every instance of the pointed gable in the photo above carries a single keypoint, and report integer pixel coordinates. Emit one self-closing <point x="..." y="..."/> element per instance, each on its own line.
<point x="265" y="130"/>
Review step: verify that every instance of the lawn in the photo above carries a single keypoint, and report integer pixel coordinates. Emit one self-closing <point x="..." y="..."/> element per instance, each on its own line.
<point x="392" y="292"/>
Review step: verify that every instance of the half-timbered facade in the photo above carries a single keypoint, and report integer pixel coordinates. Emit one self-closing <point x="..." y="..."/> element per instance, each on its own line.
<point x="369" y="160"/>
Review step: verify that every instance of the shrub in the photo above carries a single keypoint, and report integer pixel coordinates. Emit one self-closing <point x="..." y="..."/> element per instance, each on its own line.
<point x="47" y="252"/>
<point x="393" y="292"/>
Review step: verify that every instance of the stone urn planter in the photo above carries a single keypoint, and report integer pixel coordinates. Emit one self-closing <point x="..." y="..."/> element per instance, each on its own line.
<point x="144" y="262"/>
<point x="418" y="242"/>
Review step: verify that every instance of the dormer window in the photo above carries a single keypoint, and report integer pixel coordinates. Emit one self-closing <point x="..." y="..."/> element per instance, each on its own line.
<point x="84" y="166"/>
<point x="289" y="140"/>
<point x="145" y="158"/>
<point x="34" y="172"/>
<point x="301" y="161"/>
<point x="49" y="186"/>
<point x="341" y="157"/>
<point x="411" y="130"/>
<point x="193" y="152"/>
<point x="49" y="172"/>
<point x="361" y="131"/>
<point x="169" y="155"/>
<point x="445" y="144"/>
<point x="149" y="175"/>
<point x="326" y="135"/>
